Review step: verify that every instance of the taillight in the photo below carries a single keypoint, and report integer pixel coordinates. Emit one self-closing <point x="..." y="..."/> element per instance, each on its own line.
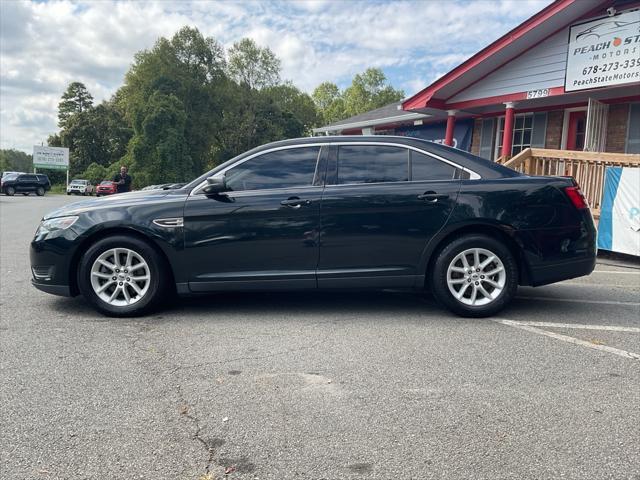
<point x="576" y="197"/>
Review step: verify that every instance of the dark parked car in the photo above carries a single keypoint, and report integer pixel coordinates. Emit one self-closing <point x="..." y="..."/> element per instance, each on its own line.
<point x="324" y="213"/>
<point x="25" y="183"/>
<point x="106" y="187"/>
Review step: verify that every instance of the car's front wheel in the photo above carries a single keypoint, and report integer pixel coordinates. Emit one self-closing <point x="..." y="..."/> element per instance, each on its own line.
<point x="10" y="191"/>
<point x="123" y="276"/>
<point x="475" y="276"/>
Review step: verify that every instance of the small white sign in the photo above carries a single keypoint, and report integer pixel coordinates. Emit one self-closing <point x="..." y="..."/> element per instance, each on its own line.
<point x="56" y="158"/>
<point x="540" y="93"/>
<point x="604" y="52"/>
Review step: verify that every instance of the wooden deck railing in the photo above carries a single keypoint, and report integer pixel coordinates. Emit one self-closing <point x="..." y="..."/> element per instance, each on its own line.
<point x="586" y="167"/>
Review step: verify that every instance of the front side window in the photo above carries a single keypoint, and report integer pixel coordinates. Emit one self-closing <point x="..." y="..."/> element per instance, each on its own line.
<point x="372" y="164"/>
<point x="426" y="168"/>
<point x="293" y="167"/>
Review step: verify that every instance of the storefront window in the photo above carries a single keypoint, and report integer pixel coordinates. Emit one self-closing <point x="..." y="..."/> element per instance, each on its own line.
<point x="522" y="131"/>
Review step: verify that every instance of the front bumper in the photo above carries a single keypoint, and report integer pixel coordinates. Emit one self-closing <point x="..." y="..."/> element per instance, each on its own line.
<point x="60" y="290"/>
<point x="51" y="258"/>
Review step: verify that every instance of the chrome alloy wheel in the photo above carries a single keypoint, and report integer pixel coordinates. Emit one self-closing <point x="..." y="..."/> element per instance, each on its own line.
<point x="476" y="277"/>
<point x="120" y="277"/>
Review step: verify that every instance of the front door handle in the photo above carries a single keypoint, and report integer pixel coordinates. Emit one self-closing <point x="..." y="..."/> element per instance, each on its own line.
<point x="294" y="202"/>
<point x="432" y="197"/>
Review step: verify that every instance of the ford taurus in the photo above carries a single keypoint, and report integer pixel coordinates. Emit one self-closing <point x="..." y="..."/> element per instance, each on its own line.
<point x="324" y="213"/>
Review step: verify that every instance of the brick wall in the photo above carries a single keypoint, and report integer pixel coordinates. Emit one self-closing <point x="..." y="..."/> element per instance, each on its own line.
<point x="553" y="138"/>
<point x="475" y="138"/>
<point x="617" y="127"/>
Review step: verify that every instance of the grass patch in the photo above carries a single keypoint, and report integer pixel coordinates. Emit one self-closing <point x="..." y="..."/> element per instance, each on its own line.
<point x="58" y="189"/>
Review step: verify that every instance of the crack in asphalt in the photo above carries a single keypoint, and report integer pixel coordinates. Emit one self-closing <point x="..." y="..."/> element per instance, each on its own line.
<point x="206" y="443"/>
<point x="183" y="402"/>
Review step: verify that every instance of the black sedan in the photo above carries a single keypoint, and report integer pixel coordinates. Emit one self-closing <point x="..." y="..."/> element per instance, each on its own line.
<point x="324" y="213"/>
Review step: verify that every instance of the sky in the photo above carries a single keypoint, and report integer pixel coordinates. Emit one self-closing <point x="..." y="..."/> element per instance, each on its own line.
<point x="45" y="45"/>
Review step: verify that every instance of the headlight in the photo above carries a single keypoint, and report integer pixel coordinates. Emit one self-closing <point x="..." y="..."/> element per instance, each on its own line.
<point x="55" y="224"/>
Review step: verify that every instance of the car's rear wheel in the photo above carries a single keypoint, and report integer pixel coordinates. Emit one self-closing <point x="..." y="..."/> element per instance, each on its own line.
<point x="40" y="191"/>
<point x="123" y="276"/>
<point x="10" y="191"/>
<point x="475" y="276"/>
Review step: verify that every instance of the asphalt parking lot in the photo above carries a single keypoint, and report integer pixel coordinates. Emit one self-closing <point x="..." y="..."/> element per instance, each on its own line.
<point x="319" y="386"/>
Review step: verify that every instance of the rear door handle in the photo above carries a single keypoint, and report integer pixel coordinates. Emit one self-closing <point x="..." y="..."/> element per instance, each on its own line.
<point x="433" y="197"/>
<point x="294" y="202"/>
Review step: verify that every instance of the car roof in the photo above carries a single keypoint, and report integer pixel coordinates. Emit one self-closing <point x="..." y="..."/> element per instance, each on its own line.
<point x="485" y="168"/>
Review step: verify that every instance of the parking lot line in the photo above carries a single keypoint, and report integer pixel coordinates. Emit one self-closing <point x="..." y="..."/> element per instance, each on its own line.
<point x="636" y="272"/>
<point x="566" y="338"/>
<point x="611" y="328"/>
<point x="579" y="300"/>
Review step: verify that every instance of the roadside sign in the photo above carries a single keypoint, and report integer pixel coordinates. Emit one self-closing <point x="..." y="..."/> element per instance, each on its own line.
<point x="56" y="158"/>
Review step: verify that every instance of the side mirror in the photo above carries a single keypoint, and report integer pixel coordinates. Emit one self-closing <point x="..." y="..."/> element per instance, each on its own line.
<point x="216" y="184"/>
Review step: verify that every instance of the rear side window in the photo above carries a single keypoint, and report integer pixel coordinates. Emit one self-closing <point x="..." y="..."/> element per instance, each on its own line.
<point x="372" y="164"/>
<point x="293" y="167"/>
<point x="426" y="168"/>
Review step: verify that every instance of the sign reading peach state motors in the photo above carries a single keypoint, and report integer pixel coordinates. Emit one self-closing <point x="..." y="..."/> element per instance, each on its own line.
<point x="604" y="52"/>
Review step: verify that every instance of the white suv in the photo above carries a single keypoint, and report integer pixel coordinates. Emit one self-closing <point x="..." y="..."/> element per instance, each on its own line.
<point x="80" y="187"/>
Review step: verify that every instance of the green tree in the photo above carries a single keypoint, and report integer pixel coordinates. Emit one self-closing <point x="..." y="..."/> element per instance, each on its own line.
<point x="15" y="161"/>
<point x="95" y="174"/>
<point x="97" y="135"/>
<point x="75" y="99"/>
<point x="369" y="90"/>
<point x="295" y="102"/>
<point x="329" y="102"/>
<point x="252" y="65"/>
<point x="172" y="98"/>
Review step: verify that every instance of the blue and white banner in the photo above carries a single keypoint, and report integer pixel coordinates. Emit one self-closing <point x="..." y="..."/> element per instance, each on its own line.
<point x="435" y="132"/>
<point x="619" y="227"/>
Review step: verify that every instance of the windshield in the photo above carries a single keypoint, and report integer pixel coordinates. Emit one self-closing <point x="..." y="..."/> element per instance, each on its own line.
<point x="78" y="182"/>
<point x="10" y="176"/>
<point x="105" y="182"/>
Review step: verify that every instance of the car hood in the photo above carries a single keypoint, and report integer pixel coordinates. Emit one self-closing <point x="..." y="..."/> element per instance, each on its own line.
<point x="112" y="201"/>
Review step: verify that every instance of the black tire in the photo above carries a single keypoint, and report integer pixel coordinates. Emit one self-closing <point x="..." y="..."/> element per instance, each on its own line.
<point x="440" y="287"/>
<point x="10" y="191"/>
<point x="40" y="191"/>
<point x="26" y="194"/>
<point x="97" y="194"/>
<point x="158" y="271"/>
<point x="68" y="193"/>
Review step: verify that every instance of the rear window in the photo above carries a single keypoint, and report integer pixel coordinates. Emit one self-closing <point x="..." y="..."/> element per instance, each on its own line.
<point x="426" y="168"/>
<point x="372" y="164"/>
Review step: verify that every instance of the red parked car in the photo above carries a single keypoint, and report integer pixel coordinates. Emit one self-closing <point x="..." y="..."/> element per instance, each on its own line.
<point x="106" y="188"/>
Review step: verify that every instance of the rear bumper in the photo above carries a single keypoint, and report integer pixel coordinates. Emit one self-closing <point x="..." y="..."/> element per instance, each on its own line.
<point x="60" y="290"/>
<point x="556" y="272"/>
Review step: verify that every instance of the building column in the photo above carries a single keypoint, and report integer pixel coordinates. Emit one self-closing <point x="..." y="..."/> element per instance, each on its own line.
<point x="507" y="136"/>
<point x="451" y="124"/>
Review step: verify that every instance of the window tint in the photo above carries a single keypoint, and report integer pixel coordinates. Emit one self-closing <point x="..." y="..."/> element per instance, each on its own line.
<point x="424" y="167"/>
<point x="372" y="164"/>
<point x="294" y="167"/>
<point x="28" y="178"/>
